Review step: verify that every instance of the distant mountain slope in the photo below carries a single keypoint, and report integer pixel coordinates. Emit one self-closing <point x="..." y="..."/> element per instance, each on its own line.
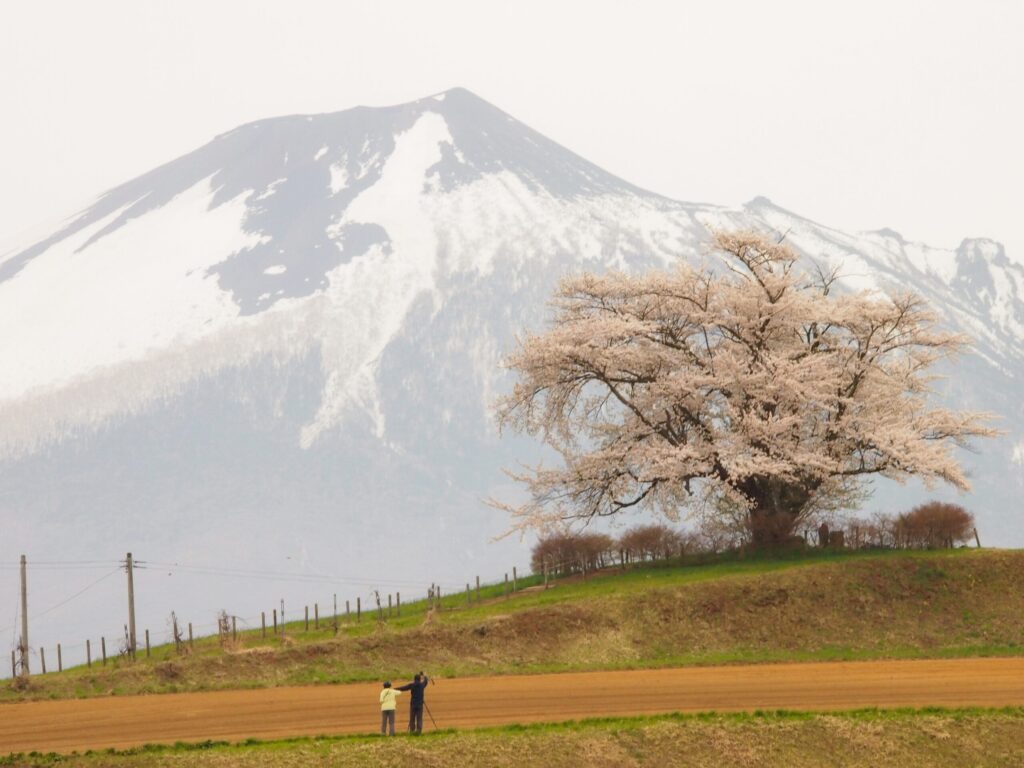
<point x="284" y="344"/>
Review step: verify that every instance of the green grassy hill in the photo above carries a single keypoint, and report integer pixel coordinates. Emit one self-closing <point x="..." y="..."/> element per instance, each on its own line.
<point x="807" y="607"/>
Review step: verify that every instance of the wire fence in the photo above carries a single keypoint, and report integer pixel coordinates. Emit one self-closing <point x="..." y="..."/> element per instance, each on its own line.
<point x="383" y="603"/>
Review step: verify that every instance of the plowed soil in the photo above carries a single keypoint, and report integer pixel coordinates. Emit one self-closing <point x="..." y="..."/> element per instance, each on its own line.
<point x="63" y="726"/>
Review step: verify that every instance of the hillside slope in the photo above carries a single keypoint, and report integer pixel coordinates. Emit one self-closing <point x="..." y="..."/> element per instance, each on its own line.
<point x="903" y="605"/>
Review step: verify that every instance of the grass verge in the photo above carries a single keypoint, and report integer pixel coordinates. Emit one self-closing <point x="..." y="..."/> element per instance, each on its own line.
<point x="906" y="738"/>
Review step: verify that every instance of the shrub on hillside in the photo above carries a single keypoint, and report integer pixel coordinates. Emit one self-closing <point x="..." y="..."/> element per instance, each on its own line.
<point x="934" y="525"/>
<point x="564" y="553"/>
<point x="875" y="532"/>
<point x="552" y="552"/>
<point x="651" y="542"/>
<point x="595" y="550"/>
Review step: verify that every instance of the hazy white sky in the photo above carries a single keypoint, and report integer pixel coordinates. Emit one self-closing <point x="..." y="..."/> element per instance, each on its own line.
<point x="860" y="115"/>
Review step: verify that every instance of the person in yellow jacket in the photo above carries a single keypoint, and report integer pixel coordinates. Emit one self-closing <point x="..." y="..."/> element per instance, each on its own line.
<point x="388" y="702"/>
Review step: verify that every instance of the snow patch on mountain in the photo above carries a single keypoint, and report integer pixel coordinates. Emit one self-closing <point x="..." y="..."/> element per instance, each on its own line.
<point x="386" y="280"/>
<point x="339" y="177"/>
<point x="142" y="288"/>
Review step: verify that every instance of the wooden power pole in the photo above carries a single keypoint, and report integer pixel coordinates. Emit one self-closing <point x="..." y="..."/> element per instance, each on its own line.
<point x="130" y="567"/>
<point x="24" y="619"/>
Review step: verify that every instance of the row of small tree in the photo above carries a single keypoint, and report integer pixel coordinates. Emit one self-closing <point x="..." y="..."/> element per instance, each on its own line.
<point x="564" y="553"/>
<point x="933" y="525"/>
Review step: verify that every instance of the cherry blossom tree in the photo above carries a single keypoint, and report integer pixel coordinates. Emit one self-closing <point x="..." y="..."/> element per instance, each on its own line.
<point x="753" y="391"/>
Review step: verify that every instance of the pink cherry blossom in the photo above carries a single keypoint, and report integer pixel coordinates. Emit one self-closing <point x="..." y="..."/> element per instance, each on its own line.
<point x="755" y="390"/>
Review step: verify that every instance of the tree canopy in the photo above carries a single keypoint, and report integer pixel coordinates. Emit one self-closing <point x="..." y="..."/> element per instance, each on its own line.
<point x="755" y="390"/>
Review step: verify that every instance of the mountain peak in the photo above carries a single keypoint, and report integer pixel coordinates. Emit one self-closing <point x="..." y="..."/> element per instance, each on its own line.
<point x="297" y="174"/>
<point x="889" y="234"/>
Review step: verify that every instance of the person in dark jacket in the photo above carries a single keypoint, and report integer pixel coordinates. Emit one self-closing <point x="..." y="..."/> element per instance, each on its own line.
<point x="415" y="688"/>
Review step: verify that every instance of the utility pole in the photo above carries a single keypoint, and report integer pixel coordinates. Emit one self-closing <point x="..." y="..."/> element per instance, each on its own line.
<point x="130" y="567"/>
<point x="24" y="620"/>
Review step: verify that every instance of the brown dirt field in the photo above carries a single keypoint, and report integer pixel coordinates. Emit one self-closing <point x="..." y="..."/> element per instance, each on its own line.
<point x="63" y="726"/>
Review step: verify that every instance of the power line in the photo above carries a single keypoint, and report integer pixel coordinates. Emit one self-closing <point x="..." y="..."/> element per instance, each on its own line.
<point x="60" y="567"/>
<point x="69" y="599"/>
<point x="14" y="626"/>
<point x="307" y="578"/>
<point x="73" y="562"/>
<point x="313" y="577"/>
<point x="199" y="570"/>
<point x="60" y="562"/>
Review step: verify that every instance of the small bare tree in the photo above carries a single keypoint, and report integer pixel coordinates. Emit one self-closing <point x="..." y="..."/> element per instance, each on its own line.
<point x="125" y="645"/>
<point x="223" y="628"/>
<point x="565" y="553"/>
<point x="176" y="633"/>
<point x="650" y="542"/>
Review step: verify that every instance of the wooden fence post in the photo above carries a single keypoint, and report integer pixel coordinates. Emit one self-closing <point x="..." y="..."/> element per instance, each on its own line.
<point x="469" y="597"/>
<point x="60" y="659"/>
<point x="506" y="586"/>
<point x="88" y="654"/>
<point x="359" y="609"/>
<point x="263" y="623"/>
<point x="42" y="659"/>
<point x="389" y="605"/>
<point x="191" y="643"/>
<point x="14" y="667"/>
<point x="348" y="612"/>
<point x="478" y="589"/>
<point x="316" y="615"/>
<point x="147" y="643"/>
<point x="515" y="580"/>
<point x="307" y="618"/>
<point x="234" y="629"/>
<point x="976" y="539"/>
<point x="398" y="604"/>
<point x="275" y="621"/>
<point x="103" y="649"/>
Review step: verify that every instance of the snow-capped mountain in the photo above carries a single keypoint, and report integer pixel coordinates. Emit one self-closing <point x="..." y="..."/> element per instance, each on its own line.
<point x="278" y="351"/>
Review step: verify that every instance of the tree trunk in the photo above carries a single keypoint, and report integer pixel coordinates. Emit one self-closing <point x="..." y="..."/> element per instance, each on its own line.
<point x="770" y="528"/>
<point x="777" y="506"/>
